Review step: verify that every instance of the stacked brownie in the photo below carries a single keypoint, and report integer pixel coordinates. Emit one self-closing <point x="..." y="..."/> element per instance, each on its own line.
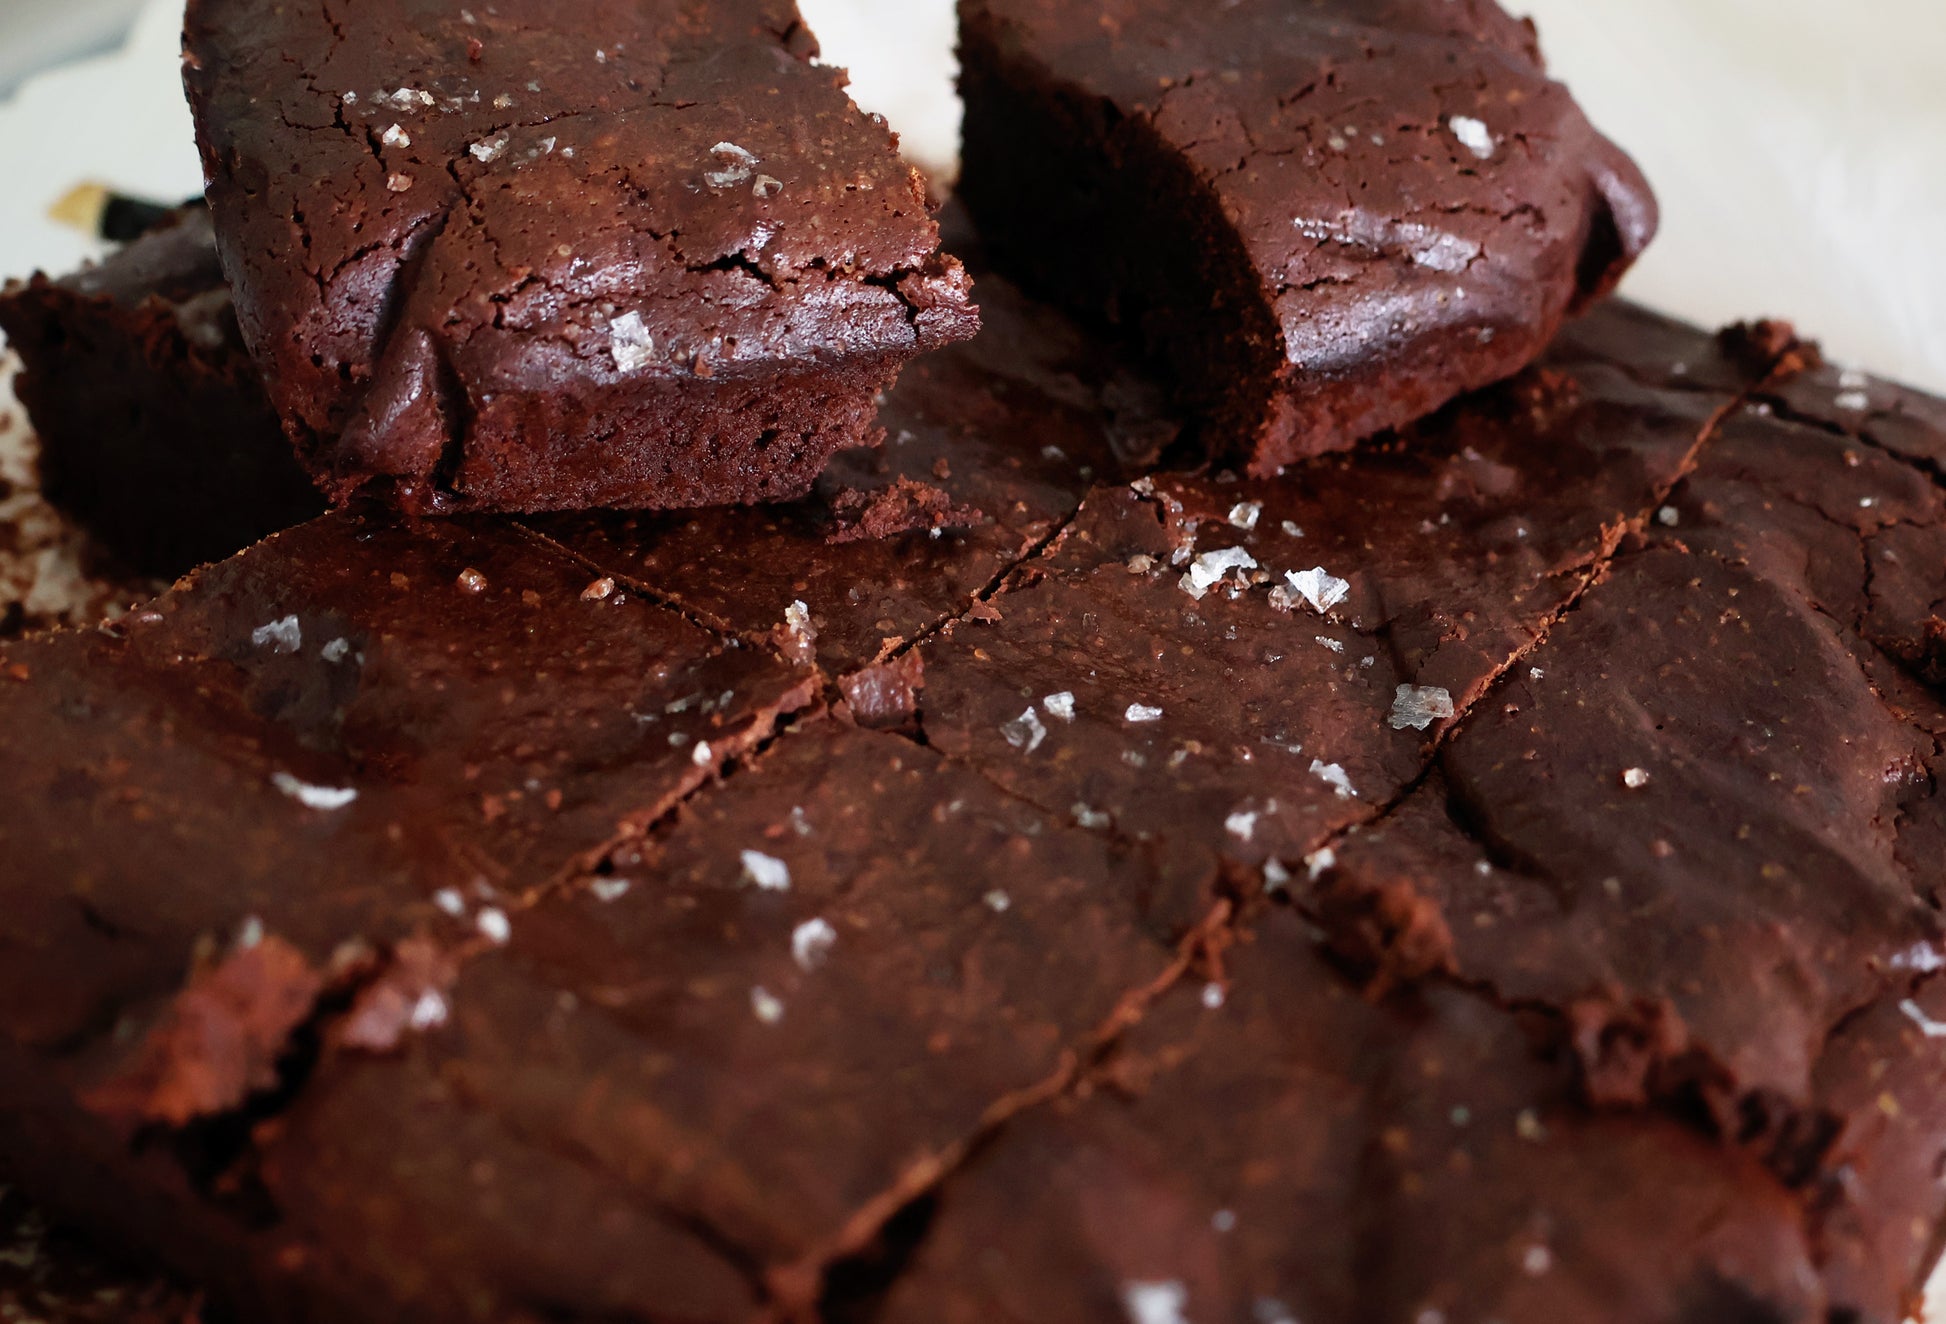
<point x="1046" y="871"/>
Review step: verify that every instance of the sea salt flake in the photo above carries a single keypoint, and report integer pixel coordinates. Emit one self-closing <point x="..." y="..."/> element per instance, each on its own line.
<point x="736" y="168"/>
<point x="1091" y="818"/>
<point x="325" y="799"/>
<point x="797" y="618"/>
<point x="1668" y="517"/>
<point x="998" y="902"/>
<point x="1213" y="997"/>
<point x="1856" y="402"/>
<point x="429" y="1012"/>
<point x="396" y="137"/>
<point x="1139" y="713"/>
<point x="1276" y="876"/>
<point x="1245" y="514"/>
<point x="251" y="934"/>
<point x="1207" y="570"/>
<point x="1269" y="1310"/>
<point x="610" y="889"/>
<point x="1851" y="379"/>
<point x="702" y="756"/>
<point x="1537" y="1261"/>
<point x="1060" y="705"/>
<point x="494" y="927"/>
<point x="1155" y="1303"/>
<point x="1419" y="707"/>
<point x="1334" y="776"/>
<point x="1026" y="732"/>
<point x="1242" y="825"/>
<point x="399" y="182"/>
<point x="1473" y="135"/>
<point x="1319" y="862"/>
<point x="489" y="150"/>
<point x="767" y="186"/>
<point x="766" y="1007"/>
<point x="1318" y="587"/>
<point x="630" y="342"/>
<point x="1929" y="1027"/>
<point x="285" y="636"/>
<point x="1331" y="643"/>
<point x="449" y="900"/>
<point x="1223" y="1220"/>
<point x="1291" y="530"/>
<point x="1635" y="778"/>
<point x="811" y="943"/>
<point x="767" y="872"/>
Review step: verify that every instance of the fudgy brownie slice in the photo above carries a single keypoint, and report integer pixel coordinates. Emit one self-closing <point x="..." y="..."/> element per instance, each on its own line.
<point x="154" y="432"/>
<point x="535" y="256"/>
<point x="1320" y="221"/>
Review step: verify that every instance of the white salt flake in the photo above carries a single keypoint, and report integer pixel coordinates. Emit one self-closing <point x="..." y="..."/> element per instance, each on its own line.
<point x="1269" y="1310"/>
<point x="324" y="799"/>
<point x="251" y="934"/>
<point x="336" y="651"/>
<point x="1245" y="514"/>
<point x="1331" y="643"/>
<point x="1223" y="1220"/>
<point x="1536" y="673"/>
<point x="1318" y="862"/>
<point x="767" y="872"/>
<point x="1923" y="957"/>
<point x="285" y="636"/>
<point x="1060" y="705"/>
<point x="429" y="1012"/>
<point x="736" y="168"/>
<point x="494" y="927"/>
<point x="1537" y="1261"/>
<point x="1635" y="778"/>
<point x="406" y="98"/>
<point x="1333" y="775"/>
<point x="1473" y="135"/>
<point x="1851" y="379"/>
<point x="1091" y="818"/>
<point x="998" y="902"/>
<point x="766" y="1007"/>
<point x="767" y="186"/>
<point x="610" y="889"/>
<point x="1668" y="517"/>
<point x="630" y="342"/>
<point x="449" y="900"/>
<point x="1929" y="1027"/>
<point x="1207" y="570"/>
<point x="396" y="137"/>
<point x="811" y="943"/>
<point x="1291" y="530"/>
<point x="1419" y="707"/>
<point x="489" y="150"/>
<point x="1856" y="402"/>
<point x="1241" y="825"/>
<point x="1214" y="997"/>
<point x="1318" y="587"/>
<point x="1155" y="1303"/>
<point x="1276" y="876"/>
<point x="1026" y="732"/>
<point x="1139" y="713"/>
<point x="399" y="182"/>
<point x="797" y="618"/>
<point x="703" y="756"/>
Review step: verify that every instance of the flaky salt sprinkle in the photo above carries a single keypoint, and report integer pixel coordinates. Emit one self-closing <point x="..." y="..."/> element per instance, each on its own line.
<point x="325" y="799"/>
<point x="606" y="890"/>
<point x="1207" y="570"/>
<point x="703" y="756"/>
<point x="1635" y="778"/>
<point x="1929" y="1027"/>
<point x="396" y="136"/>
<point x="797" y="619"/>
<point x="285" y="636"/>
<point x="1334" y="776"/>
<point x="1855" y="402"/>
<point x="1155" y="1303"/>
<point x="1025" y="733"/>
<point x="1139" y="713"/>
<point x="449" y="900"/>
<point x="1320" y="862"/>
<point x="1473" y="135"/>
<point x="998" y="902"/>
<point x="1060" y="706"/>
<point x="1213" y="996"/>
<point x="767" y="872"/>
<point x="1318" y="587"/>
<point x="493" y="926"/>
<point x="1087" y="816"/>
<point x="1419" y="707"/>
<point x="736" y="169"/>
<point x="1245" y="514"/>
<point x="630" y="342"/>
<point x="766" y="1007"/>
<point x="1668" y="517"/>
<point x="811" y="944"/>
<point x="489" y="150"/>
<point x="1242" y="825"/>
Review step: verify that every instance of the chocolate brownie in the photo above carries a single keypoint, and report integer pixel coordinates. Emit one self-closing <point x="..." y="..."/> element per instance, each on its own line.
<point x="1319" y="222"/>
<point x="154" y="432"/>
<point x="1156" y="961"/>
<point x="538" y="257"/>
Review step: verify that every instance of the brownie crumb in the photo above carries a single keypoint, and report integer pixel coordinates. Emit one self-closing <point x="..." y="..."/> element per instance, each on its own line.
<point x="907" y="506"/>
<point x="885" y="697"/>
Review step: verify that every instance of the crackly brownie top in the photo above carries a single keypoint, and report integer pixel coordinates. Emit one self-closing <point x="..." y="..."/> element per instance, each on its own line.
<point x="537" y="193"/>
<point x="1401" y="166"/>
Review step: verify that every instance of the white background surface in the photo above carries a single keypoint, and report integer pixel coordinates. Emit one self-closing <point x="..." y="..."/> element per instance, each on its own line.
<point x="1798" y="146"/>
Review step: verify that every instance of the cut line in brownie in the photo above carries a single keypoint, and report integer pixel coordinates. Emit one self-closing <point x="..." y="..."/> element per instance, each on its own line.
<point x="541" y="257"/>
<point x="1318" y="222"/>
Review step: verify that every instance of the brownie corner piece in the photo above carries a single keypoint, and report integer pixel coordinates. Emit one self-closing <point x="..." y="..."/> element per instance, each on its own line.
<point x="543" y="257"/>
<point x="1320" y="221"/>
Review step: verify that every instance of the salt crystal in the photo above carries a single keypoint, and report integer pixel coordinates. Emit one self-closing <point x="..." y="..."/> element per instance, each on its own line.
<point x="494" y="927"/>
<point x="1155" y="1303"/>
<point x="1291" y="530"/>
<point x="703" y="756"/>
<point x="1139" y="713"/>
<point x="1318" y="587"/>
<point x="1223" y="1220"/>
<point x="449" y="900"/>
<point x="767" y="186"/>
<point x="1090" y="818"/>
<point x="1207" y="570"/>
<point x="610" y="889"/>
<point x="811" y="943"/>
<point x="1241" y="825"/>
<point x="630" y="342"/>
<point x="396" y="137"/>
<point x="736" y="168"/>
<point x="1851" y="379"/>
<point x="797" y="619"/>
<point x="1635" y="778"/>
<point x="1528" y="1127"/>
<point x="1473" y="135"/>
<point x="1419" y="707"/>
<point x="1276" y="876"/>
<point x="325" y="799"/>
<point x="1318" y="862"/>
<point x="1856" y="402"/>
<point x="599" y="590"/>
<point x="1929" y="1027"/>
<point x="1269" y="1310"/>
<point x="998" y="902"/>
<point x="1213" y="997"/>
<point x="1060" y="705"/>
<point x="1535" y="673"/>
<point x="766" y="1008"/>
<point x="398" y="183"/>
<point x="768" y="873"/>
<point x="1537" y="1261"/>
<point x="1245" y="514"/>
<point x="490" y="150"/>
<point x="285" y="636"/>
<point x="251" y="934"/>
<point x="1331" y="643"/>
<point x="1026" y="732"/>
<point x="1668" y="517"/>
<point x="429" y="1012"/>
<point x="1333" y="775"/>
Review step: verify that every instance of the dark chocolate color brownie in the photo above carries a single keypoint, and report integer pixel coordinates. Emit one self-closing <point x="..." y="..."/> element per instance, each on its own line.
<point x="537" y="256"/>
<point x="1084" y="928"/>
<point x="154" y="431"/>
<point x="1320" y="221"/>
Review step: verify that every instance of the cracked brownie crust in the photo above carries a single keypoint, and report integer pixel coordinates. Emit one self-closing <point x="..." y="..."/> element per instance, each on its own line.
<point x="1491" y="877"/>
<point x="1319" y="221"/>
<point x="637" y="256"/>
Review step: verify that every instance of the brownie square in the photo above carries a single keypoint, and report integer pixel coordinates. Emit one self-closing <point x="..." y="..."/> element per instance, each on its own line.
<point x="1318" y="221"/>
<point x="539" y="257"/>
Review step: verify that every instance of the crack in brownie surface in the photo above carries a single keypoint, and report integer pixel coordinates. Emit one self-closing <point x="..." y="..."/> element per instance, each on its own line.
<point x="538" y="257"/>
